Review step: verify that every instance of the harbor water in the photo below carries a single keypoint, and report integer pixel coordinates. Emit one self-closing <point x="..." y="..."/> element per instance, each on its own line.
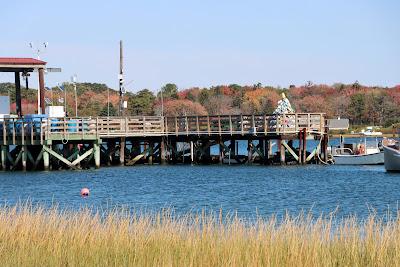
<point x="247" y="190"/>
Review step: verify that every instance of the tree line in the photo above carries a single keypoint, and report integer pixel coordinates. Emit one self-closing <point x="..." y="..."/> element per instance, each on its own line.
<point x="361" y="104"/>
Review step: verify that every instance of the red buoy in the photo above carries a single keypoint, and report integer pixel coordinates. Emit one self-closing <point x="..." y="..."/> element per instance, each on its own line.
<point x="85" y="192"/>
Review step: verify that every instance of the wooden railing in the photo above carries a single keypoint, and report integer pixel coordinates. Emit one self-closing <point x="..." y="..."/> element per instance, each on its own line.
<point x="25" y="131"/>
<point x="245" y="124"/>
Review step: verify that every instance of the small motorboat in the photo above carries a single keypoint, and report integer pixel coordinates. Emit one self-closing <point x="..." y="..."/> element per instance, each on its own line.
<point x="370" y="131"/>
<point x="391" y="150"/>
<point x="357" y="154"/>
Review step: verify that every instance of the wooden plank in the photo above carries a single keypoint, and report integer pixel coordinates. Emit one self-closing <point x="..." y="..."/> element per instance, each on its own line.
<point x="40" y="156"/>
<point x="59" y="157"/>
<point x="312" y="154"/>
<point x="290" y="150"/>
<point x="29" y="155"/>
<point x="14" y="163"/>
<point x="82" y="157"/>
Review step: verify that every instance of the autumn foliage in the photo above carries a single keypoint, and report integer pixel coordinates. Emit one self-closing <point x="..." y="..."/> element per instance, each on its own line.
<point x="361" y="104"/>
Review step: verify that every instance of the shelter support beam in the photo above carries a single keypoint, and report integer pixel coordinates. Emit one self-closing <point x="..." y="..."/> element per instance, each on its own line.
<point x="18" y="104"/>
<point x="42" y="91"/>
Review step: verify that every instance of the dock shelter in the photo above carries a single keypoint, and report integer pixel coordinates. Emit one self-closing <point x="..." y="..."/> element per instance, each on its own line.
<point x="24" y="66"/>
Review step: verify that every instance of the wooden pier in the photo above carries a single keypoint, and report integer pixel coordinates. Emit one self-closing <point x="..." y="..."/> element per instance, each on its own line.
<point x="75" y="143"/>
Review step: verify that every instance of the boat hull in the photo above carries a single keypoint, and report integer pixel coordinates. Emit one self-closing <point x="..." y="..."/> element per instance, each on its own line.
<point x="392" y="159"/>
<point x="369" y="159"/>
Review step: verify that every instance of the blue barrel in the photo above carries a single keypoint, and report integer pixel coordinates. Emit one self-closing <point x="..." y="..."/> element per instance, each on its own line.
<point x="34" y="120"/>
<point x="72" y="126"/>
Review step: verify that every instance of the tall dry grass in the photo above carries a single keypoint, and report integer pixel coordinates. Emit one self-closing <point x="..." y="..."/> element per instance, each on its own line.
<point x="38" y="236"/>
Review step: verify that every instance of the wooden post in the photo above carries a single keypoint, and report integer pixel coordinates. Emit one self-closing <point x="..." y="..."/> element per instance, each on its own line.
<point x="221" y="151"/>
<point x="96" y="152"/>
<point x="151" y="151"/>
<point x="162" y="151"/>
<point x="282" y="155"/>
<point x="46" y="159"/>
<point x="3" y="156"/>
<point x="122" y="151"/>
<point x="325" y="147"/>
<point x="232" y="147"/>
<point x="173" y="151"/>
<point x="18" y="104"/>
<point x="263" y="148"/>
<point x="24" y="157"/>
<point x="304" y="159"/>
<point x="42" y="92"/>
<point x="270" y="152"/>
<point x="249" y="152"/>
<point x="301" y="147"/>
<point x="191" y="151"/>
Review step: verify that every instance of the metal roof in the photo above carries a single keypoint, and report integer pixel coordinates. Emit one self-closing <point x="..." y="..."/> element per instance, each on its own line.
<point x="14" y="64"/>
<point x="20" y="61"/>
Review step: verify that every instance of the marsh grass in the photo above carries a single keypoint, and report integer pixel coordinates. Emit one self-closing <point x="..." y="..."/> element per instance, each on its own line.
<point x="38" y="236"/>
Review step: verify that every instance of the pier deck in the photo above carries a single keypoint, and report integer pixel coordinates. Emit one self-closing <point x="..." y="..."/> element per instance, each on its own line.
<point x="150" y="139"/>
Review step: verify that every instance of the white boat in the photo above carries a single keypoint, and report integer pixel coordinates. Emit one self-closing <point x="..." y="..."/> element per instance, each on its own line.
<point x="370" y="132"/>
<point x="391" y="149"/>
<point x="357" y="154"/>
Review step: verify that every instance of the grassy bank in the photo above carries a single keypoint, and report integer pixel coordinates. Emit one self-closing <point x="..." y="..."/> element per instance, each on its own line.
<point x="42" y="237"/>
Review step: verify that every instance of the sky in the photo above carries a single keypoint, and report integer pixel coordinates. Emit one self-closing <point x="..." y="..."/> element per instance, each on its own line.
<point x="208" y="42"/>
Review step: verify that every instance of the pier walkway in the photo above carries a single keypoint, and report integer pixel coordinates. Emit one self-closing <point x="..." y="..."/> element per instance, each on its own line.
<point x="27" y="142"/>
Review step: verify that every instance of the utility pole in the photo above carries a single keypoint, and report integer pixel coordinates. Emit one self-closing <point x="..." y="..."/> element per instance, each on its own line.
<point x="121" y="79"/>
<point x="73" y="80"/>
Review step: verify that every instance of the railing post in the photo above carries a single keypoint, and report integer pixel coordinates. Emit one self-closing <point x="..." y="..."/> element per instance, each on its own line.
<point x="126" y="126"/>
<point x="176" y="126"/>
<point x="197" y="125"/>
<point x="83" y="127"/>
<point x="187" y="125"/>
<point x="322" y="124"/>
<point x="219" y="125"/>
<point x="4" y="132"/>
<point x="241" y="123"/>
<point x="22" y="132"/>
<point x="32" y="132"/>
<point x="253" y="125"/>
<point x="13" y="132"/>
<point x="165" y="126"/>
<point x="230" y="123"/>
<point x="265" y="126"/>
<point x="208" y="125"/>
<point x="144" y="125"/>
<point x="97" y="127"/>
<point x="48" y="125"/>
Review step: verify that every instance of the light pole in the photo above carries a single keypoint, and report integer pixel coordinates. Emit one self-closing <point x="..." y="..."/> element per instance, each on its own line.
<point x="38" y="51"/>
<point x="73" y="80"/>
<point x="162" y="103"/>
<point x="63" y="89"/>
